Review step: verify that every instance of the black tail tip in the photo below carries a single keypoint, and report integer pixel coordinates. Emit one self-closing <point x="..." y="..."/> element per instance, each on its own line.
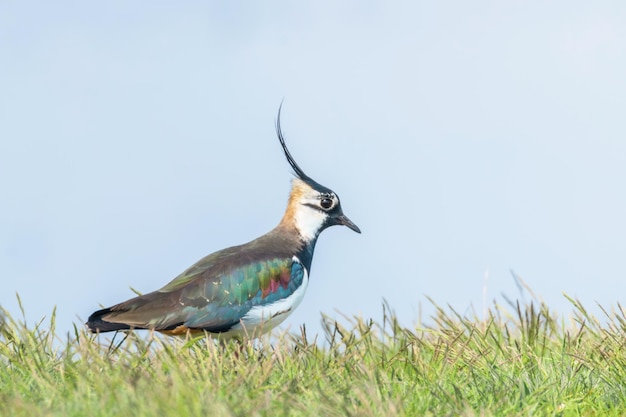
<point x="96" y="324"/>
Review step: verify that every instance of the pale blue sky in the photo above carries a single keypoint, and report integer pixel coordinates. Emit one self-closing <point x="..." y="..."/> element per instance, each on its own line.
<point x="464" y="138"/>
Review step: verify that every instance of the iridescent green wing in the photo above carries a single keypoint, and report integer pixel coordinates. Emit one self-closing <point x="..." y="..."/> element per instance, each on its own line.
<point x="219" y="303"/>
<point x="215" y="293"/>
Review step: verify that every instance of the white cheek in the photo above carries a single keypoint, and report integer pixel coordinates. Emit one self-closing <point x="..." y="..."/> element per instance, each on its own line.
<point x="309" y="221"/>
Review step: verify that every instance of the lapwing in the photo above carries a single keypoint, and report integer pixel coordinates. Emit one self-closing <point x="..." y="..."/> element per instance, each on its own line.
<point x="245" y="289"/>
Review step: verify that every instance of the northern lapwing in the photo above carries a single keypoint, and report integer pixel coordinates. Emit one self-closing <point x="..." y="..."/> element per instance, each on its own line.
<point x="246" y="289"/>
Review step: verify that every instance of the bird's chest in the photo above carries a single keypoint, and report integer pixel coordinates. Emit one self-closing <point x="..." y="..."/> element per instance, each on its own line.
<point x="264" y="316"/>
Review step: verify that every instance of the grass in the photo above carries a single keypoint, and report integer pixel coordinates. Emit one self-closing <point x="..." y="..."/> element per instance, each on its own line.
<point x="521" y="361"/>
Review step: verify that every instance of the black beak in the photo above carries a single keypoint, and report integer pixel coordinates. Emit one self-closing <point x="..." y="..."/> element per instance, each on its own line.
<point x="344" y="220"/>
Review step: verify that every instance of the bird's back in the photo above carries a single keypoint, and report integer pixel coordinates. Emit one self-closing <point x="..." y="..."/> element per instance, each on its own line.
<point x="245" y="284"/>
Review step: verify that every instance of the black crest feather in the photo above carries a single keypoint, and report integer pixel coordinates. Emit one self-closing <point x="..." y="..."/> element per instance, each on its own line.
<point x="296" y="168"/>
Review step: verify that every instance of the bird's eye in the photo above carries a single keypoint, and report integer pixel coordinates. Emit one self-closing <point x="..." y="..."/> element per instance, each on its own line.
<point x="326" y="203"/>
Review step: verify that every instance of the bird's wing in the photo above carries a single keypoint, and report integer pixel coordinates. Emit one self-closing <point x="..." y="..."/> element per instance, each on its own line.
<point x="212" y="295"/>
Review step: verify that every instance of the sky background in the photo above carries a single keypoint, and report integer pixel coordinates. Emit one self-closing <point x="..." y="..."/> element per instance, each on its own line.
<point x="465" y="139"/>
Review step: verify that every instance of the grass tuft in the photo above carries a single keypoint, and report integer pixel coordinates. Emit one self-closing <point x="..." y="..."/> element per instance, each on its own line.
<point x="518" y="360"/>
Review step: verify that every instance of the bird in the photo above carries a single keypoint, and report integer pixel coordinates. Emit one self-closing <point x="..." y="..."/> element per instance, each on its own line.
<point x="243" y="290"/>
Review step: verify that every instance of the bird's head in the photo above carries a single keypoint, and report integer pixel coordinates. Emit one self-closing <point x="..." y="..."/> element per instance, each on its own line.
<point x="312" y="207"/>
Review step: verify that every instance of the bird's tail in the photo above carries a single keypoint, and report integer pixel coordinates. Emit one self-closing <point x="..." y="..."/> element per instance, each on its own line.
<point x="97" y="325"/>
